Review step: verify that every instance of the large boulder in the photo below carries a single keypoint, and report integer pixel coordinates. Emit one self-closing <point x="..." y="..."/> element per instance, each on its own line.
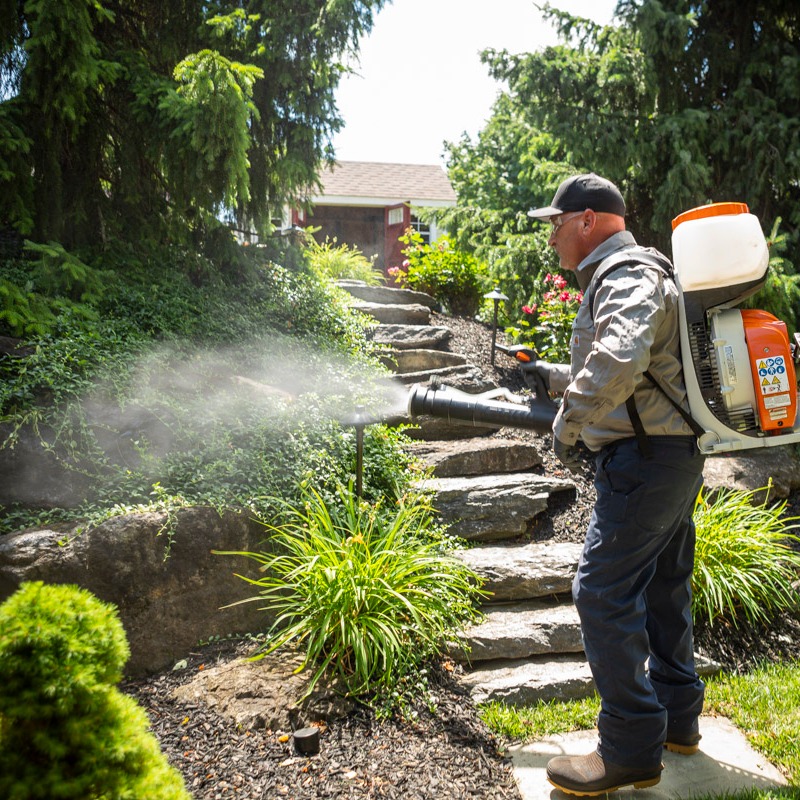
<point x="753" y="471"/>
<point x="160" y="572"/>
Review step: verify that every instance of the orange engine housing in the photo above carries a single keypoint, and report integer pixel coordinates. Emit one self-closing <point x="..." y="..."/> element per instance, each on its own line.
<point x="772" y="367"/>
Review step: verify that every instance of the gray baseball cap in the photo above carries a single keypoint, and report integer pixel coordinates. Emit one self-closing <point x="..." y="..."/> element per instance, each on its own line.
<point x="581" y="192"/>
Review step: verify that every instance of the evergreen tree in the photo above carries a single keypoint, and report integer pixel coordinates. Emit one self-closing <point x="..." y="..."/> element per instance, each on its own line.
<point x="150" y="118"/>
<point x="680" y="103"/>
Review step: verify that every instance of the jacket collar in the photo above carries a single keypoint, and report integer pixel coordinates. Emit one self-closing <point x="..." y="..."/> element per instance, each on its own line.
<point x="587" y="267"/>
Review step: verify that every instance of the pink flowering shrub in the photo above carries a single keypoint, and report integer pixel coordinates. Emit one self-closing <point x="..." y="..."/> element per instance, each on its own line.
<point x="456" y="279"/>
<point x="547" y="324"/>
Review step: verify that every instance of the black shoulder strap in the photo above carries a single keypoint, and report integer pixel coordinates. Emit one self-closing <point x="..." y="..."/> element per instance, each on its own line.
<point x="633" y="255"/>
<point x="697" y="428"/>
<point x="650" y="257"/>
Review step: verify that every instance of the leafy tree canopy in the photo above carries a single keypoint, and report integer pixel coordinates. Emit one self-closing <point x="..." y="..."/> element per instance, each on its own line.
<point x="680" y="103"/>
<point x="150" y="118"/>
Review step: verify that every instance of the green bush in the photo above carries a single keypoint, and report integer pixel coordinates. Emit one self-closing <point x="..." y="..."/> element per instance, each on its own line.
<point x="65" y="729"/>
<point x="456" y="279"/>
<point x="330" y="261"/>
<point x="745" y="562"/>
<point x="368" y="593"/>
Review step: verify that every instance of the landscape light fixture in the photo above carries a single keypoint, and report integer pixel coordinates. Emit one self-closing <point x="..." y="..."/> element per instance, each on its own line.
<point x="495" y="296"/>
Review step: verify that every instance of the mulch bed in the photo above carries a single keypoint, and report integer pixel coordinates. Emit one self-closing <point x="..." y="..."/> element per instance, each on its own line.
<point x="446" y="754"/>
<point x="449" y="753"/>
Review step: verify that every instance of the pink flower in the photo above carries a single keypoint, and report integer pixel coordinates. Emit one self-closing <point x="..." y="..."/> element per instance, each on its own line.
<point x="549" y="296"/>
<point x="548" y="278"/>
<point x="529" y="309"/>
<point x="578" y="296"/>
<point x="393" y="271"/>
<point x="406" y="264"/>
<point x="559" y="282"/>
<point x="565" y="297"/>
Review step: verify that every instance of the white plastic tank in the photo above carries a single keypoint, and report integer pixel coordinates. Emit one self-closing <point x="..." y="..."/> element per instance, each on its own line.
<point x="718" y="245"/>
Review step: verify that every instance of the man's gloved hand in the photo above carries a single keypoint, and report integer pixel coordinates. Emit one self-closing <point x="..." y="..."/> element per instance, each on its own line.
<point x="544" y="368"/>
<point x="567" y="454"/>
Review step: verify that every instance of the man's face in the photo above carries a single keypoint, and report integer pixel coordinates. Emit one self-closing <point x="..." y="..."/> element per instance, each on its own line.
<point x="566" y="240"/>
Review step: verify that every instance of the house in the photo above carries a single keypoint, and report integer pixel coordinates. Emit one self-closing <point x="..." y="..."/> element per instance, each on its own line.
<point x="369" y="205"/>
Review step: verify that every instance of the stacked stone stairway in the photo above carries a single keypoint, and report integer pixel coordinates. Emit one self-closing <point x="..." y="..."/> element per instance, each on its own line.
<point x="528" y="645"/>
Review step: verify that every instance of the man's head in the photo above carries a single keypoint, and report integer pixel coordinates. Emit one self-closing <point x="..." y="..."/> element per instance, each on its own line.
<point x="589" y="209"/>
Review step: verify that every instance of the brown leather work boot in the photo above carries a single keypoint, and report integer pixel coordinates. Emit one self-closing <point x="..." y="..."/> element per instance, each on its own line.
<point x="587" y="776"/>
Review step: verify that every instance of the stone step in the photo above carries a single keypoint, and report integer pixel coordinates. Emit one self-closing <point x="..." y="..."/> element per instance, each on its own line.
<point x="524" y="571"/>
<point x="386" y="294"/>
<point x="545" y="678"/>
<point x="477" y="456"/>
<point x="398" y="313"/>
<point x="521" y="630"/>
<point x="530" y="680"/>
<point x="436" y="429"/>
<point x="466" y="377"/>
<point x="421" y="360"/>
<point x="412" y="337"/>
<point x="490" y="507"/>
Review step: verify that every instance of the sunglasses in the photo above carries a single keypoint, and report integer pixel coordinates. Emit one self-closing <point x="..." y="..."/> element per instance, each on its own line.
<point x="562" y="220"/>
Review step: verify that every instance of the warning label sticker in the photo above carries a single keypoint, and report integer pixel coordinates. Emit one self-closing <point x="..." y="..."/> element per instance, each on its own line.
<point x="730" y="364"/>
<point x="772" y="375"/>
<point x="777" y="401"/>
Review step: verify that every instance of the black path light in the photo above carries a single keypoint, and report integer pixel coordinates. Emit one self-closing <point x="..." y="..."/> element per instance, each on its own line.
<point x="495" y="296"/>
<point x="359" y="420"/>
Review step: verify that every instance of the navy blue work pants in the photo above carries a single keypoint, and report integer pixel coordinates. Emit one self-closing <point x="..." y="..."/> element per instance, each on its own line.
<point x="633" y="594"/>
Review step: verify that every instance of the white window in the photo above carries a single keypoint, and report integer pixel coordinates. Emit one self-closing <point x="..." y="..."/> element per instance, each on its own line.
<point x="422" y="228"/>
<point x="395" y="216"/>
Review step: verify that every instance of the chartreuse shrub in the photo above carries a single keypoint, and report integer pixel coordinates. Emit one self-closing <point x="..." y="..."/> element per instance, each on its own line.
<point x="66" y="731"/>
<point x="455" y="278"/>
<point x="333" y="261"/>
<point x="745" y="564"/>
<point x="367" y="592"/>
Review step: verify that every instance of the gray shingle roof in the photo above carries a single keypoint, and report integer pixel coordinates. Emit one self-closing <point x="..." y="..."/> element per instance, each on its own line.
<point x="415" y="183"/>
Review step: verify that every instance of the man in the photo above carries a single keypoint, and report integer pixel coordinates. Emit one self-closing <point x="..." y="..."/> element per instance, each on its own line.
<point x="632" y="588"/>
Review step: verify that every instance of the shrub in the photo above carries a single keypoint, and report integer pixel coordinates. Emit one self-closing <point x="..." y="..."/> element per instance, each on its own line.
<point x="330" y="261"/>
<point x="456" y="279"/>
<point x="65" y="730"/>
<point x="745" y="565"/>
<point x="368" y="593"/>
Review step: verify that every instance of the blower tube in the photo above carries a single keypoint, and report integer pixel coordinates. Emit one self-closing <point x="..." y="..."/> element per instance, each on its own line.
<point x="478" y="410"/>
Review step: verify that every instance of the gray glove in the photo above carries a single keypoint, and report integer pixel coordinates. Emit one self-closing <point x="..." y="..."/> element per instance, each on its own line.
<point x="567" y="454"/>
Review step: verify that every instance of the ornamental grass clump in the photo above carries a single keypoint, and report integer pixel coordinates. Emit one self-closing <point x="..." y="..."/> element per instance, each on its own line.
<point x="367" y="593"/>
<point x="746" y="560"/>
<point x="66" y="731"/>
<point x="333" y="261"/>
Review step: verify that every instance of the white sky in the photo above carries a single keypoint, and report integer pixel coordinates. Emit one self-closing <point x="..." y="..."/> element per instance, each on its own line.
<point x="420" y="80"/>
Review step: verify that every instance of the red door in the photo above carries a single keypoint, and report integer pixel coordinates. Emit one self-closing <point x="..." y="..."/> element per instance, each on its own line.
<point x="396" y="220"/>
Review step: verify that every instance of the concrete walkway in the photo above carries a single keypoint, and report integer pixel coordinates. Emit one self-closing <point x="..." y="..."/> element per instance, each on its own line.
<point x="725" y="763"/>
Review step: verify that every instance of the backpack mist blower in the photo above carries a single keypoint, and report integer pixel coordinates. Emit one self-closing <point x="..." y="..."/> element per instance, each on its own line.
<point x="739" y="365"/>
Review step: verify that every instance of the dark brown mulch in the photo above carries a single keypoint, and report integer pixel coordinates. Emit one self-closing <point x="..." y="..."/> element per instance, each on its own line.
<point x="449" y="753"/>
<point x="446" y="754"/>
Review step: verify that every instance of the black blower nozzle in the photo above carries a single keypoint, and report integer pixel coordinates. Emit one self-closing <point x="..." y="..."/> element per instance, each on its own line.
<point x="481" y="409"/>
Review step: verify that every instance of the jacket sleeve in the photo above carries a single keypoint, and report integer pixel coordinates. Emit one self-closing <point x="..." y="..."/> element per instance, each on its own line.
<point x="628" y="309"/>
<point x="560" y="376"/>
